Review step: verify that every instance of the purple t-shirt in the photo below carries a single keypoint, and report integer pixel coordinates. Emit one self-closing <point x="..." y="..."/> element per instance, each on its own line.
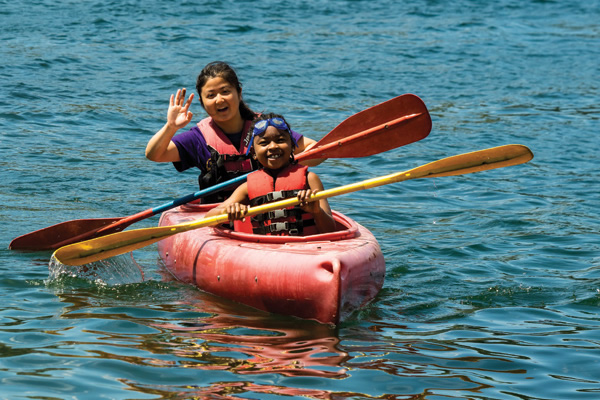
<point x="193" y="150"/>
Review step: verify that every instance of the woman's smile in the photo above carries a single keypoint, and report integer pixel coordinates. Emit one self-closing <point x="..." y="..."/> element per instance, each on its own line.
<point x="221" y="102"/>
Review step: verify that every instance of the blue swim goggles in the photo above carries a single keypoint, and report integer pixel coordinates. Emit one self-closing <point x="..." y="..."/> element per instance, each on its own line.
<point x="261" y="126"/>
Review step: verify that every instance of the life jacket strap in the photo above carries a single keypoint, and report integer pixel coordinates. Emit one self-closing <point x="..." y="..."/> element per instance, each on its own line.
<point x="273" y="196"/>
<point x="293" y="228"/>
<point x="277" y="214"/>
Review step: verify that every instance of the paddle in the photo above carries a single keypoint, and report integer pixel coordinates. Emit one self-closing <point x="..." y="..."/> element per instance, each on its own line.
<point x="391" y="124"/>
<point x="123" y="242"/>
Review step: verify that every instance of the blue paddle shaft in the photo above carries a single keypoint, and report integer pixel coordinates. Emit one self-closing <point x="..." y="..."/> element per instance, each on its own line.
<point x="199" y="194"/>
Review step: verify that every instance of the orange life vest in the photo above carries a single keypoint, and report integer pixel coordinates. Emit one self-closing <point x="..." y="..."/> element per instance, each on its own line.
<point x="263" y="188"/>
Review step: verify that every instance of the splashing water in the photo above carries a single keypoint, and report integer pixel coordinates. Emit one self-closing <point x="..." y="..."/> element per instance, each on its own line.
<point x="120" y="270"/>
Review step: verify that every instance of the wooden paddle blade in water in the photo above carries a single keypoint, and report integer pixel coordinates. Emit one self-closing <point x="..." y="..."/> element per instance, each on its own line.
<point x="123" y="242"/>
<point x="116" y="244"/>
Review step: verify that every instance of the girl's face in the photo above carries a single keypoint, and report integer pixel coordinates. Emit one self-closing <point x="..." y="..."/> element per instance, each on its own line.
<point x="220" y="100"/>
<point x="273" y="148"/>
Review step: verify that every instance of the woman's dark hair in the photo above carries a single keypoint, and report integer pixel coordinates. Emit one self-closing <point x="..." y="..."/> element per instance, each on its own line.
<point x="220" y="69"/>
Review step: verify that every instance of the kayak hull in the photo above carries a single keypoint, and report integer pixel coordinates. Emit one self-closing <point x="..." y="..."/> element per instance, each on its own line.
<point x="323" y="277"/>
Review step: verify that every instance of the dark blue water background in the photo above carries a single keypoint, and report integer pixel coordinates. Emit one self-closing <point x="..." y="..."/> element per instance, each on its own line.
<point x="493" y="279"/>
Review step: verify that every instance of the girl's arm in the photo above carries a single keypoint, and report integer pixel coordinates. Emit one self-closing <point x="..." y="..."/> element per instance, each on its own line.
<point x="320" y="210"/>
<point x="235" y="205"/>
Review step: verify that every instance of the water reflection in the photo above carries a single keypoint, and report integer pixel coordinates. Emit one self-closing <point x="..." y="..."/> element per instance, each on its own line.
<point x="147" y="325"/>
<point x="235" y="390"/>
<point x="255" y="343"/>
<point x="207" y="333"/>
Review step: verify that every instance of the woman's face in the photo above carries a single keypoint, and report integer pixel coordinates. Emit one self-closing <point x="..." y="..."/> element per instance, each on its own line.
<point x="220" y="100"/>
<point x="273" y="148"/>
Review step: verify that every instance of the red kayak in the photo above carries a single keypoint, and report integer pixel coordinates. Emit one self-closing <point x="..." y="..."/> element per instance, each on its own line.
<point x="324" y="277"/>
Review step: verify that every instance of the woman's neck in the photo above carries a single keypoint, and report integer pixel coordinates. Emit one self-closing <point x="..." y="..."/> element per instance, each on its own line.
<point x="233" y="126"/>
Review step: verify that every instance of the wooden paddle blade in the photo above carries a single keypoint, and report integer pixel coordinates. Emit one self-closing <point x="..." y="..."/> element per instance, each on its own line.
<point x="58" y="235"/>
<point x="104" y="247"/>
<point x="119" y="243"/>
<point x="476" y="161"/>
<point x="386" y="126"/>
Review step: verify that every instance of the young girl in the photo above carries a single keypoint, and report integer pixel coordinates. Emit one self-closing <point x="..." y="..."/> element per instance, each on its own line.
<point x="279" y="177"/>
<point x="217" y="144"/>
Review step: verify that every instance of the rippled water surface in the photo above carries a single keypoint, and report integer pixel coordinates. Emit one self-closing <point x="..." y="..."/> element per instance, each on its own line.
<point x="493" y="279"/>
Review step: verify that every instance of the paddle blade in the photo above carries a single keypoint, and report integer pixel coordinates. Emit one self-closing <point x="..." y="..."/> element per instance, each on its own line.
<point x="476" y="161"/>
<point x="83" y="252"/>
<point x="58" y="235"/>
<point x="119" y="243"/>
<point x="386" y="126"/>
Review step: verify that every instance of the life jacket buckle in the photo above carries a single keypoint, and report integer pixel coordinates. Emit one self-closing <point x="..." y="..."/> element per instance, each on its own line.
<point x="277" y="214"/>
<point x="291" y="228"/>
<point x="278" y="227"/>
<point x="274" y="196"/>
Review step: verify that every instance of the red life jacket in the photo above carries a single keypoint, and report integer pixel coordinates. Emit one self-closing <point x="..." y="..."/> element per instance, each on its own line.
<point x="263" y="188"/>
<point x="226" y="162"/>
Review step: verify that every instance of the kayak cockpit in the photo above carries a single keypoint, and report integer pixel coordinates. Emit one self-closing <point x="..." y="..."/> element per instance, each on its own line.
<point x="346" y="228"/>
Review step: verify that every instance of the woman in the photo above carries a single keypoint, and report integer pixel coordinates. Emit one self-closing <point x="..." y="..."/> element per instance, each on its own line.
<point x="217" y="144"/>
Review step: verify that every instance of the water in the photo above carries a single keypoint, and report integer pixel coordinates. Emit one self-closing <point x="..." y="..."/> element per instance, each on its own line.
<point x="493" y="279"/>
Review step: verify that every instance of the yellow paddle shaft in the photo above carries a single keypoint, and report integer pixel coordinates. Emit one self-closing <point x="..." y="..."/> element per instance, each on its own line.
<point x="122" y="242"/>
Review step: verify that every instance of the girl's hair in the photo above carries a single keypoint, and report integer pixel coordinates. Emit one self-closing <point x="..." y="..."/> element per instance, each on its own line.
<point x="220" y="69"/>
